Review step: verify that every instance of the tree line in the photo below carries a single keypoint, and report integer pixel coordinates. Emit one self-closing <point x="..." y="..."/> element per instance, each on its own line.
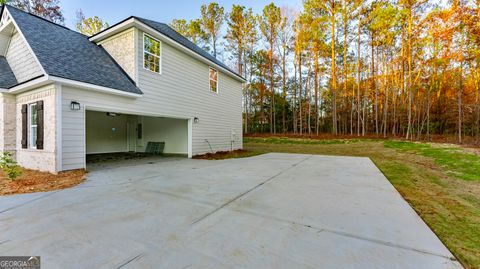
<point x="406" y="68"/>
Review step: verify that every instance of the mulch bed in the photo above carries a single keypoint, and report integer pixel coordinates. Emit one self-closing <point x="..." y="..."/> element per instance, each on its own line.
<point x="220" y="155"/>
<point x="35" y="181"/>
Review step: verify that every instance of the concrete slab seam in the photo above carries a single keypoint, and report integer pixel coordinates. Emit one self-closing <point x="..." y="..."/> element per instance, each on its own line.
<point x="28" y="202"/>
<point x="249" y="190"/>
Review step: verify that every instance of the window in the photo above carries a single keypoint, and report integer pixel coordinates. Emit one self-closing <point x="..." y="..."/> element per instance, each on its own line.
<point x="32" y="125"/>
<point x="213" y="80"/>
<point x="151" y="54"/>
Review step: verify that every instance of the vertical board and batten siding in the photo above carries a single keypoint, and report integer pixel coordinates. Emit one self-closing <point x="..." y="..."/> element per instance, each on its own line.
<point x="21" y="60"/>
<point x="181" y="91"/>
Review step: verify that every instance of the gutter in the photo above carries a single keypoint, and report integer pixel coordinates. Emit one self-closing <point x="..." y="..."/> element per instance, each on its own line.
<point x="93" y="87"/>
<point x="45" y="80"/>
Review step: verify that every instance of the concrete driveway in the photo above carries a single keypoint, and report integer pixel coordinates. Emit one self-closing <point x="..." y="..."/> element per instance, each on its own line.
<point x="269" y="211"/>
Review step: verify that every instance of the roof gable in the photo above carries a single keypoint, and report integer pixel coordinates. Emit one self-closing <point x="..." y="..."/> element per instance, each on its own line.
<point x="169" y="33"/>
<point x="70" y="55"/>
<point x="175" y="36"/>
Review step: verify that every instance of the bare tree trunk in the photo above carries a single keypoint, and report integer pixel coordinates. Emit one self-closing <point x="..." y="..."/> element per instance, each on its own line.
<point x="428" y="113"/>
<point x="374" y="84"/>
<point x="294" y="100"/>
<point x="477" y="104"/>
<point x="284" y="87"/>
<point x="315" y="83"/>
<point x="402" y="81"/>
<point x="385" y="89"/>
<point x="309" y="88"/>
<point x="334" y="79"/>
<point x="300" y="91"/>
<point x="359" y="81"/>
<point x="247" y="94"/>
<point x="246" y="109"/>
<point x="460" y="104"/>
<point x="345" y="66"/>
<point x="364" y="117"/>
<point x="410" y="96"/>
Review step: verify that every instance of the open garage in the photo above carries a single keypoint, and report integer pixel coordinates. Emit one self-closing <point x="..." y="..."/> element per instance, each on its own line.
<point x="110" y="132"/>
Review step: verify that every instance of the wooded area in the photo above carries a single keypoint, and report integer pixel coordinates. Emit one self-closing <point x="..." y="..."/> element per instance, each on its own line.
<point x="406" y="68"/>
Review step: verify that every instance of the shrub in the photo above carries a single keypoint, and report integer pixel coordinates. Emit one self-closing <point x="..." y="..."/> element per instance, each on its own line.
<point x="10" y="166"/>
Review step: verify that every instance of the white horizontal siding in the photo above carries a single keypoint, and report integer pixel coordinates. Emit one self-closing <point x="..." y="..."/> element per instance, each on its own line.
<point x="4" y="40"/>
<point x="21" y="60"/>
<point x="181" y="91"/>
<point x="184" y="84"/>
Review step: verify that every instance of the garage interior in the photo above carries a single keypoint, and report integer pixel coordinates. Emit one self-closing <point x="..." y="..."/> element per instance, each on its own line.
<point x="114" y="134"/>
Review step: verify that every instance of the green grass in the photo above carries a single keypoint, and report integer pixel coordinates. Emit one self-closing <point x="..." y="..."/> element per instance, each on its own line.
<point x="303" y="141"/>
<point x="441" y="183"/>
<point x="453" y="160"/>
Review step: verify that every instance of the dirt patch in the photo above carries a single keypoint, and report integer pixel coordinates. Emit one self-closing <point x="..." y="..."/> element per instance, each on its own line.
<point x="220" y="155"/>
<point x="35" y="181"/>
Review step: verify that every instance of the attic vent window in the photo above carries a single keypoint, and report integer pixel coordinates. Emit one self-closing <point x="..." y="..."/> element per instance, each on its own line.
<point x="151" y="54"/>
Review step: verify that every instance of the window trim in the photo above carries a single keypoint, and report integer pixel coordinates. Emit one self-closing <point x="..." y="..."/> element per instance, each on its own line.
<point x="31" y="144"/>
<point x="159" y="57"/>
<point x="218" y="78"/>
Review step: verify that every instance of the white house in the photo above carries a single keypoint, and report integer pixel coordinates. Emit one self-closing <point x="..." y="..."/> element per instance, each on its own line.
<point x="65" y="95"/>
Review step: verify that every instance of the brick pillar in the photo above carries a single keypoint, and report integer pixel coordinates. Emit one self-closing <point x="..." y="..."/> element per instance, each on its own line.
<point x="7" y="123"/>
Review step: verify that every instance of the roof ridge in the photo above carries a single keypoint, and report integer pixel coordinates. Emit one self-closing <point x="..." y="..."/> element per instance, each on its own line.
<point x="171" y="28"/>
<point x="49" y="21"/>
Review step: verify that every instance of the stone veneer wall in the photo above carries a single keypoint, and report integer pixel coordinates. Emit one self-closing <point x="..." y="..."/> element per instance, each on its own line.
<point x="39" y="159"/>
<point x="7" y="123"/>
<point x="122" y="48"/>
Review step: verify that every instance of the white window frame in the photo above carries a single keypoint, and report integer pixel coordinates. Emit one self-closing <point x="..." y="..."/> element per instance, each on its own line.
<point x="31" y="144"/>
<point x="218" y="78"/>
<point x="159" y="57"/>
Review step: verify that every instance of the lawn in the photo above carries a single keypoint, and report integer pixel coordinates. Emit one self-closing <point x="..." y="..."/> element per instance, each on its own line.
<point x="440" y="181"/>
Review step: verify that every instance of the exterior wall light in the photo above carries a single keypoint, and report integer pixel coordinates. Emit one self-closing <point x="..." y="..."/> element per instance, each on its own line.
<point x="196" y="120"/>
<point x="74" y="105"/>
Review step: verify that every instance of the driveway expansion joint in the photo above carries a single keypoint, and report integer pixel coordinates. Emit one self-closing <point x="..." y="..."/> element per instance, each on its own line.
<point x="139" y="256"/>
<point x="249" y="190"/>
<point x="348" y="235"/>
<point x="28" y="202"/>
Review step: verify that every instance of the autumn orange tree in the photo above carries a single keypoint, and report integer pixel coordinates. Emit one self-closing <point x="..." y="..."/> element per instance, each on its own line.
<point x="406" y="68"/>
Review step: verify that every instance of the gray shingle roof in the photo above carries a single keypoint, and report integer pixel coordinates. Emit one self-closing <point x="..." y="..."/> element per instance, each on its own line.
<point x="7" y="78"/>
<point x="171" y="33"/>
<point x="68" y="54"/>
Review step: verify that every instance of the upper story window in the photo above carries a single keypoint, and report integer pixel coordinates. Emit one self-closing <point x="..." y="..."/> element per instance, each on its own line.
<point x="32" y="125"/>
<point x="213" y="80"/>
<point x="151" y="54"/>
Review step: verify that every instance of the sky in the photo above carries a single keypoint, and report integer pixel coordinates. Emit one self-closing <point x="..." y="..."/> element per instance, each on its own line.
<point x="160" y="10"/>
